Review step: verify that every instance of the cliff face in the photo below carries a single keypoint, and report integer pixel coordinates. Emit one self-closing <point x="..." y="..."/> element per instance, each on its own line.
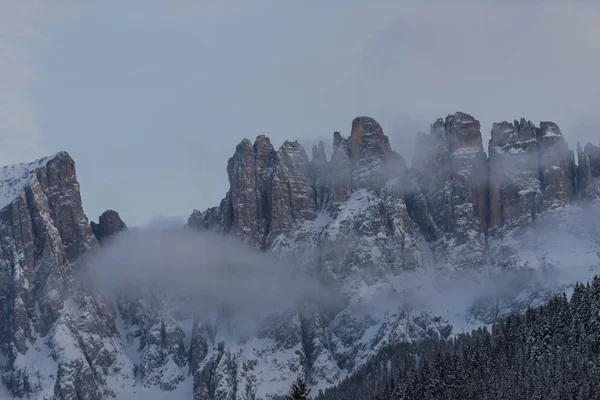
<point x="43" y="235"/>
<point x="276" y="198"/>
<point x="450" y="170"/>
<point x="454" y="196"/>
<point x="515" y="181"/>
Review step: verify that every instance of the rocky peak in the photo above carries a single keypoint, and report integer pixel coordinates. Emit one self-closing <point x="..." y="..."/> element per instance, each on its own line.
<point x="372" y="158"/>
<point x="109" y="224"/>
<point x="557" y="166"/>
<point x="293" y="197"/>
<point x="462" y="131"/>
<point x="449" y="167"/>
<point x="367" y="140"/>
<point x="340" y="174"/>
<point x="250" y="170"/>
<point x="438" y="130"/>
<point x="548" y="130"/>
<point x="318" y="153"/>
<point x="339" y="141"/>
<point x="526" y="129"/>
<point x="44" y="233"/>
<point x="264" y="152"/>
<point x="588" y="171"/>
<point x="503" y="134"/>
<point x="507" y="137"/>
<point x="515" y="188"/>
<point x="269" y="190"/>
<point x="293" y="155"/>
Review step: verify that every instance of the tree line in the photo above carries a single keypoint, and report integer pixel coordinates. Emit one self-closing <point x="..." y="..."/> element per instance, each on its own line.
<point x="549" y="352"/>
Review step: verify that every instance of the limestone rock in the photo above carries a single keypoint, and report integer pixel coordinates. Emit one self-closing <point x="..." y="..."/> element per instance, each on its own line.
<point x="450" y="168"/>
<point x="320" y="169"/>
<point x="108" y="224"/>
<point x="369" y="151"/>
<point x="43" y="308"/>
<point x="515" y="187"/>
<point x="340" y="176"/>
<point x="588" y="171"/>
<point x="557" y="166"/>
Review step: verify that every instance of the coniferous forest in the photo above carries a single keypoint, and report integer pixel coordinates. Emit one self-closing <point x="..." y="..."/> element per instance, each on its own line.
<point x="550" y="352"/>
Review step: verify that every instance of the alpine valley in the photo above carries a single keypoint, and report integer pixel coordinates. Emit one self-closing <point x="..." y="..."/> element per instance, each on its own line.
<point x="458" y="240"/>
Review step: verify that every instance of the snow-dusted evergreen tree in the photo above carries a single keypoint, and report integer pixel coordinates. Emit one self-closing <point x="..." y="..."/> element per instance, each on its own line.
<point x="299" y="391"/>
<point x="550" y="352"/>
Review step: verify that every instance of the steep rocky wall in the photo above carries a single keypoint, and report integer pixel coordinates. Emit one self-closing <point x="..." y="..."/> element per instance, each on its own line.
<point x="515" y="186"/>
<point x="454" y="195"/>
<point x="344" y="214"/>
<point x="43" y="235"/>
<point x="450" y="169"/>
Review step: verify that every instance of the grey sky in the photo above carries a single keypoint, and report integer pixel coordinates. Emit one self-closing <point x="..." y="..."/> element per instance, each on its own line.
<point x="151" y="97"/>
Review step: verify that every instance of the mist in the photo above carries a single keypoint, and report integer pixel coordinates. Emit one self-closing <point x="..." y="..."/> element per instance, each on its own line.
<point x="204" y="270"/>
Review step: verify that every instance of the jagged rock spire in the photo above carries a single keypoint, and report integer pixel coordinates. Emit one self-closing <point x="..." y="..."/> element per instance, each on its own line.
<point x="109" y="224"/>
<point x="514" y="178"/>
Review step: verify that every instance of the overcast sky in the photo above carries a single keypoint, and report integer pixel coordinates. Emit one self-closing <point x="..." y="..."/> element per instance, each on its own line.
<point x="151" y="97"/>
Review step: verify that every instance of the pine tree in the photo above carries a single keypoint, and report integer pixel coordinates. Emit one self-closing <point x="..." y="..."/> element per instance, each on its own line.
<point x="299" y="391"/>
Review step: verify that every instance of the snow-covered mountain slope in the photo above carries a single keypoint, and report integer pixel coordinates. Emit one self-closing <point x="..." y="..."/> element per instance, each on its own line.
<point x="402" y="253"/>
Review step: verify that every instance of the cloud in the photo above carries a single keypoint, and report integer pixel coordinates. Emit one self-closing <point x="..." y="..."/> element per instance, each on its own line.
<point x="206" y="270"/>
<point x="20" y="137"/>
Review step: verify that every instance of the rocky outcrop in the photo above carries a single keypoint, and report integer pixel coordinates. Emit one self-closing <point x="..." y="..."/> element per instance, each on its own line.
<point x="293" y="197"/>
<point x="588" y="171"/>
<point x="43" y="231"/>
<point x="269" y="192"/>
<point x="340" y="170"/>
<point x="370" y="153"/>
<point x="352" y="205"/>
<point x="320" y="169"/>
<point x="108" y="224"/>
<point x="450" y="169"/>
<point x="557" y="166"/>
<point x="43" y="236"/>
<point x="515" y="187"/>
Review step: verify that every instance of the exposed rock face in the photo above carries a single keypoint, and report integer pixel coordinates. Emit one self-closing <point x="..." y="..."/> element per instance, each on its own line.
<point x="515" y="187"/>
<point x="370" y="154"/>
<point x="450" y="169"/>
<point x="353" y="205"/>
<point x="557" y="166"/>
<point x="43" y="233"/>
<point x="320" y="170"/>
<point x="211" y="219"/>
<point x="293" y="197"/>
<point x="269" y="192"/>
<point x="588" y="171"/>
<point x="108" y="224"/>
<point x="43" y="230"/>
<point x="340" y="174"/>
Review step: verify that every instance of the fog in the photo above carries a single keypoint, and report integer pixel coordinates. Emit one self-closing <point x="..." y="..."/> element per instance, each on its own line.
<point x="207" y="271"/>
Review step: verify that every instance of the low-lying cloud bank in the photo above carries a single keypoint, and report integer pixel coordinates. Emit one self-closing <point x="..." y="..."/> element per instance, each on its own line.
<point x="209" y="271"/>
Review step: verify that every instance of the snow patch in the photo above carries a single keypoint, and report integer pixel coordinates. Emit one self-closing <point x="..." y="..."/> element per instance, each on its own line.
<point x="14" y="178"/>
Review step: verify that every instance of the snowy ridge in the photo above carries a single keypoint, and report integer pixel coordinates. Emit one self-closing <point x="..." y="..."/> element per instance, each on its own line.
<point x="14" y="178"/>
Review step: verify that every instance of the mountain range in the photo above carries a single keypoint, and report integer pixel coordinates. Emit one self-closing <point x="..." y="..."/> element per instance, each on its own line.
<point x="394" y="254"/>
